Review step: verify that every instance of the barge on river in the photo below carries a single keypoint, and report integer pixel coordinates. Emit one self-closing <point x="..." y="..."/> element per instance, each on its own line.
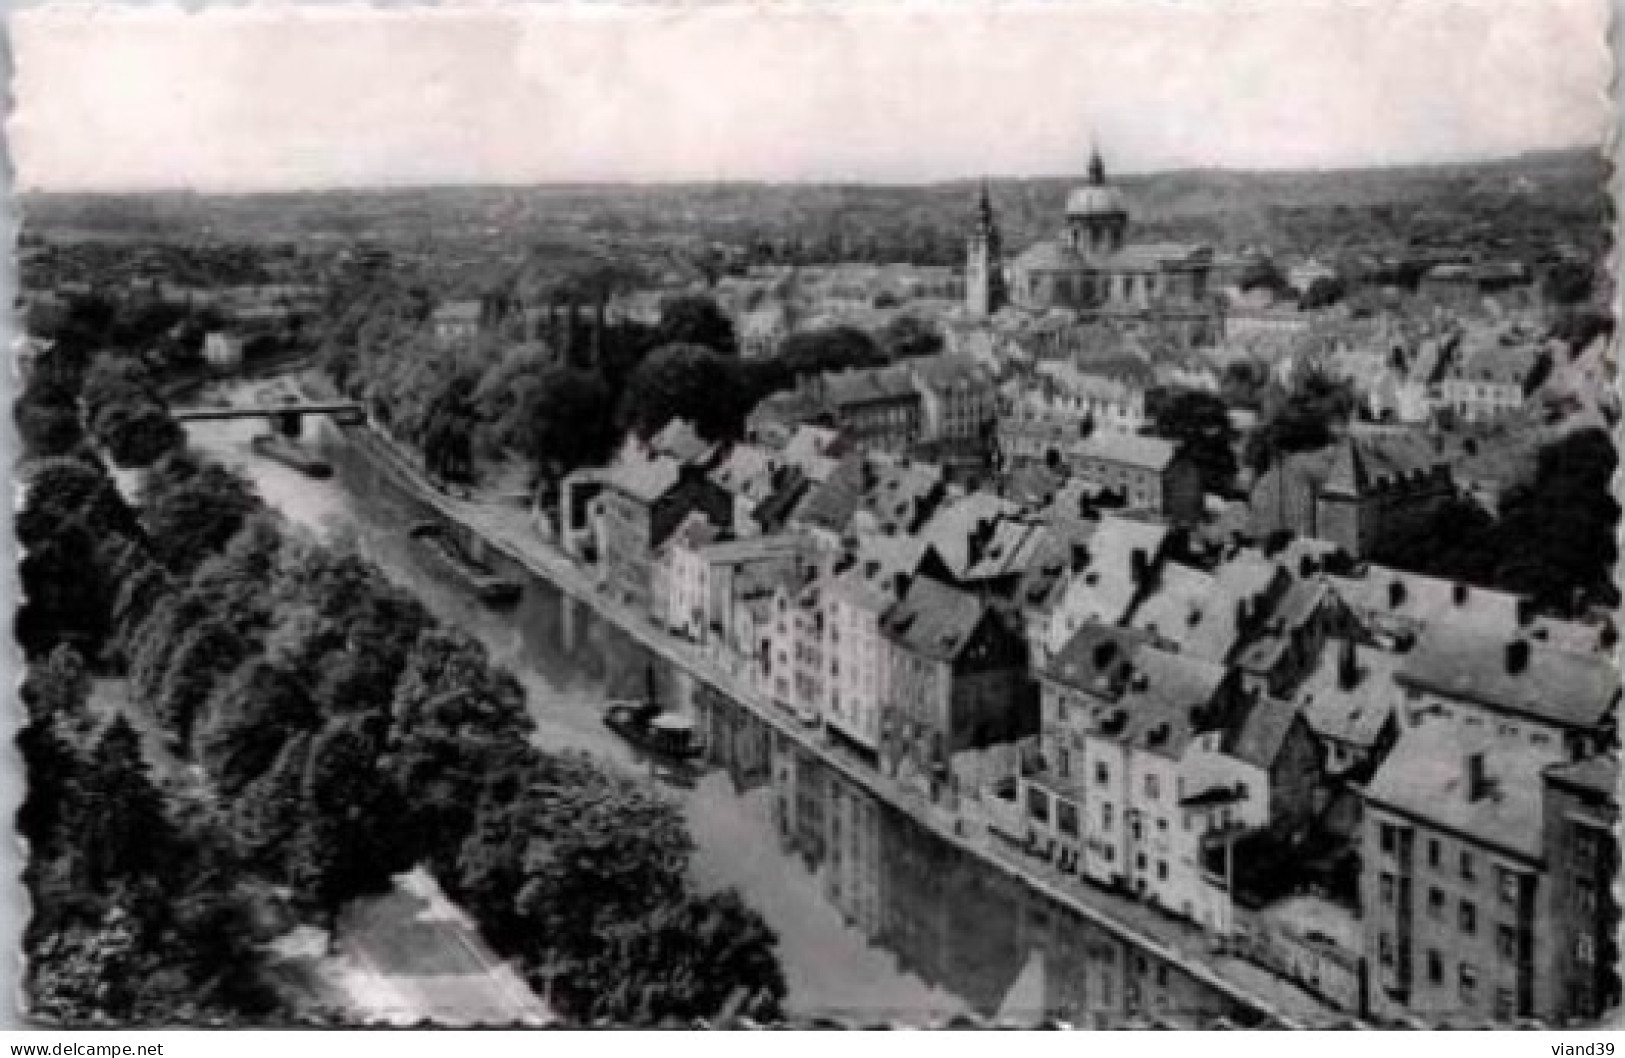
<point x="669" y="736"/>
<point x="443" y="548"/>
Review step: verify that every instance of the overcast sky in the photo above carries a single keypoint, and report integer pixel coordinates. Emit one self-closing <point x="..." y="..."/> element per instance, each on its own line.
<point x="260" y="98"/>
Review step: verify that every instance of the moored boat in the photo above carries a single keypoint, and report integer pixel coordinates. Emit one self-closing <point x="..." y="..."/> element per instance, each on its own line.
<point x="490" y="587"/>
<point x="651" y="729"/>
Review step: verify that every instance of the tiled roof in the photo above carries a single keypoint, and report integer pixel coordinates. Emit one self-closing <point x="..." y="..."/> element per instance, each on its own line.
<point x="1505" y="365"/>
<point x="457" y="312"/>
<point x="775" y="509"/>
<point x="1137" y="450"/>
<point x="746" y="470"/>
<point x="830" y="504"/>
<point x="1599" y="775"/>
<point x="1426" y="777"/>
<point x="754" y="549"/>
<point x="1260" y="735"/>
<point x="843" y="388"/>
<point x="1355" y="714"/>
<point x="695" y="532"/>
<point x="679" y="440"/>
<point x="1243" y="579"/>
<point x="946" y="371"/>
<point x="1413" y="599"/>
<point x="950" y="529"/>
<point x="1105" y="587"/>
<point x="1555" y="686"/>
<point x="1098" y="659"/>
<point x="934" y="620"/>
<point x="644" y="479"/>
<point x="1361" y="463"/>
<point x="1164" y="700"/>
<point x="1178" y="604"/>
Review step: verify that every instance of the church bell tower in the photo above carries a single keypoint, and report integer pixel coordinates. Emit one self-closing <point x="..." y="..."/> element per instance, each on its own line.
<point x="984" y="267"/>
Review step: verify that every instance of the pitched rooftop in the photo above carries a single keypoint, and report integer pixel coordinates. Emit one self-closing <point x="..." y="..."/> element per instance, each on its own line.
<point x="1554" y="686"/>
<point x="1427" y="777"/>
<point x="934" y="620"/>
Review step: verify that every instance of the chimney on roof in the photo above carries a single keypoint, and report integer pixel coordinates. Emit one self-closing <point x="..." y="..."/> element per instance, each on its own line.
<point x="1517" y="656"/>
<point x="1526" y="610"/>
<point x="1458" y="592"/>
<point x="1348" y="666"/>
<point x="1478" y="781"/>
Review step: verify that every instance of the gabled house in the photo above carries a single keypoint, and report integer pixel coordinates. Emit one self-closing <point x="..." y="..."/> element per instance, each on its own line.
<point x="1558" y="705"/>
<point x="620" y="515"/>
<point x="1108" y="576"/>
<point x="957" y="681"/>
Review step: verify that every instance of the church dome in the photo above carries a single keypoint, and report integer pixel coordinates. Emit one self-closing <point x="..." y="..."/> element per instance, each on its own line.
<point x="1096" y="201"/>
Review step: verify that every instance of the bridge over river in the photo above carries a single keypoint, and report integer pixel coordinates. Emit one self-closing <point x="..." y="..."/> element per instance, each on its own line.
<point x="287" y="416"/>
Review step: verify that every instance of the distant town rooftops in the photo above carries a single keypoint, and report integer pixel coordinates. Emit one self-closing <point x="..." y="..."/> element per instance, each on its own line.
<point x="1136" y="450"/>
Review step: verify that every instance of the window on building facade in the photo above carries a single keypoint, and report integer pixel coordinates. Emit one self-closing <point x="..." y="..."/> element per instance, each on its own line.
<point x="1386" y="889"/>
<point x="1584" y="846"/>
<point x="1585" y="949"/>
<point x="1162" y="871"/>
<point x="1507" y="882"/>
<point x="1389" y="837"/>
<point x="1102" y="776"/>
<point x="1585" y="898"/>
<point x="1506" y="942"/>
<point x="1468" y="982"/>
<point x="1435" y="967"/>
<point x="1385" y="949"/>
<point x="1435" y="855"/>
<point x="1468" y="872"/>
<point x="1436" y="903"/>
<point x="1151" y="787"/>
<point x="1467" y="917"/>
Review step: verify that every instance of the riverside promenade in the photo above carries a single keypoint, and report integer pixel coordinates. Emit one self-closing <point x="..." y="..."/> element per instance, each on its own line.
<point x="510" y="529"/>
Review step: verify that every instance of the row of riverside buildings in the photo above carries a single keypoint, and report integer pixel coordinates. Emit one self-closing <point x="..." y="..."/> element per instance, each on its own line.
<point x="1394" y="789"/>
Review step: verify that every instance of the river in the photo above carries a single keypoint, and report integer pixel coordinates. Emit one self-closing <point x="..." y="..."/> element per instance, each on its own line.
<point x="878" y="919"/>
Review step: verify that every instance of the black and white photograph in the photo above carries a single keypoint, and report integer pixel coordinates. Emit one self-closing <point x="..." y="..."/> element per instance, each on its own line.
<point x="917" y="515"/>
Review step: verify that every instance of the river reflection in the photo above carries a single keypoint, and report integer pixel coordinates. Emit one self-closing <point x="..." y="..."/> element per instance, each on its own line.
<point x="878" y="919"/>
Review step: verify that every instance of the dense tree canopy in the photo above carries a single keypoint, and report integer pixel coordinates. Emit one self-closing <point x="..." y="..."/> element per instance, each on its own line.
<point x="1306" y="420"/>
<point x="686" y="382"/>
<point x="691" y="319"/>
<point x="1200" y="424"/>
<point x="562" y="419"/>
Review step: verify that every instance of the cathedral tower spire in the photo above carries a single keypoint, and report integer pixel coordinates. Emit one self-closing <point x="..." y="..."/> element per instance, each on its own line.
<point x="984" y="265"/>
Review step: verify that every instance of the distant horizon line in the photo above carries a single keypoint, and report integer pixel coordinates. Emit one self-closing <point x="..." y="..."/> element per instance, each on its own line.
<point x="1600" y="150"/>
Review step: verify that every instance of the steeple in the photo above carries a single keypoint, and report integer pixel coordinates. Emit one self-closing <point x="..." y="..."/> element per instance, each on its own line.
<point x="984" y="211"/>
<point x="984" y="268"/>
<point x="1097" y="168"/>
